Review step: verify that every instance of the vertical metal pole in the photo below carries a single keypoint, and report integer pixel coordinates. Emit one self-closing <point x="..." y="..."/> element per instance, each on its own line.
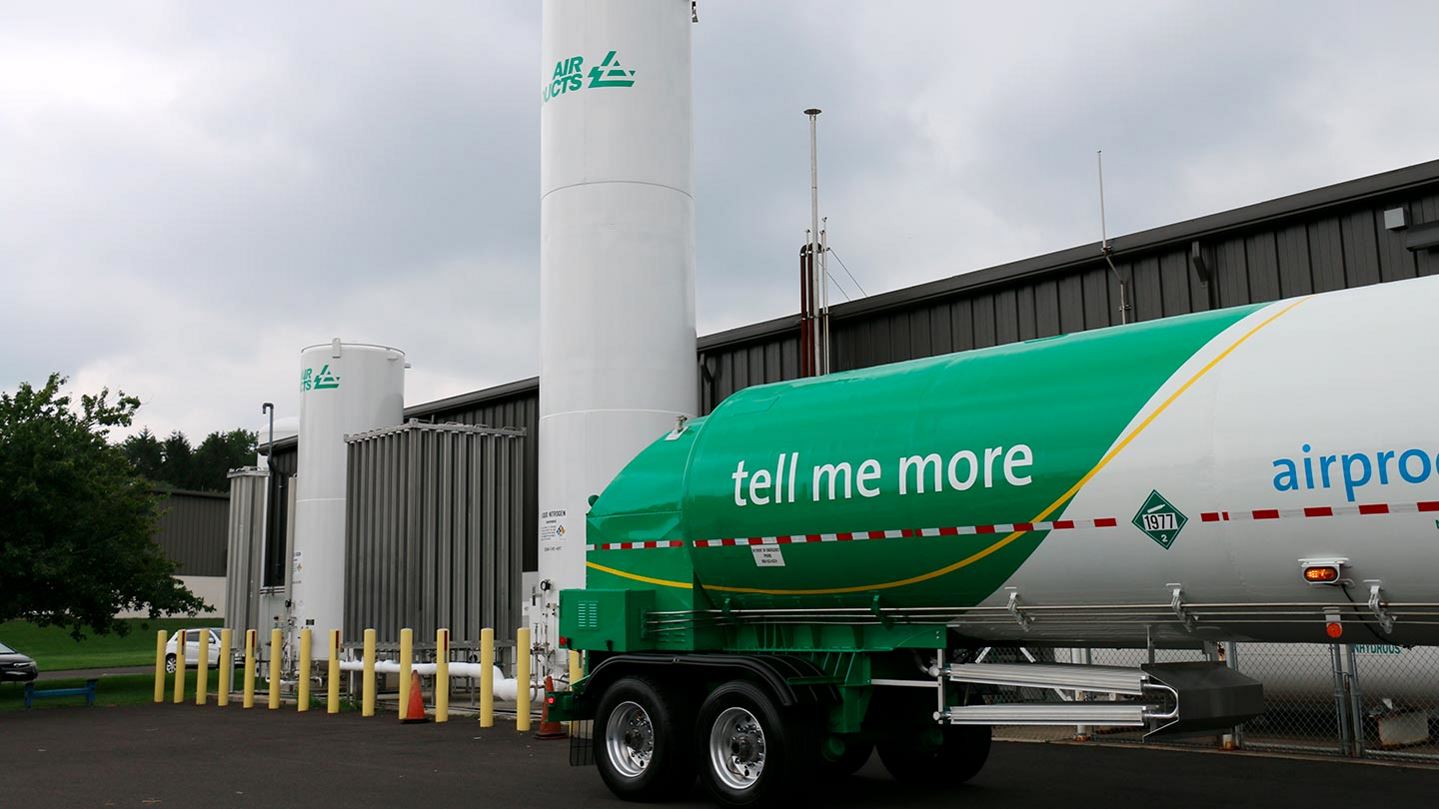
<point x="1084" y="732"/>
<point x="824" y="297"/>
<point x="1341" y="714"/>
<point x="487" y="678"/>
<point x="227" y="667"/>
<point x="522" y="679"/>
<point x="442" y="675"/>
<point x="1356" y="700"/>
<point x="302" y="697"/>
<point x="179" y="693"/>
<point x="202" y="668"/>
<point x="159" y="666"/>
<point x="814" y="250"/>
<point x="277" y="652"/>
<point x="367" y="683"/>
<point x="251" y="638"/>
<point x="332" y="675"/>
<point x="1235" y="739"/>
<point x="407" y="651"/>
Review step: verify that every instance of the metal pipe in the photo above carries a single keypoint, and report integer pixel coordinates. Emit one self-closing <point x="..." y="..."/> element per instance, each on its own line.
<point x="251" y="638"/>
<point x="202" y="668"/>
<point x="442" y="675"/>
<point x="487" y="678"/>
<point x="814" y="262"/>
<point x="522" y="675"/>
<point x="179" y="693"/>
<point x="824" y="296"/>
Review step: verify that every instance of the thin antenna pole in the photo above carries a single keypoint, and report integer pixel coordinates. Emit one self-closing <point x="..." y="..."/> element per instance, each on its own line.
<point x="1105" y="249"/>
<point x="814" y="234"/>
<point x="824" y="296"/>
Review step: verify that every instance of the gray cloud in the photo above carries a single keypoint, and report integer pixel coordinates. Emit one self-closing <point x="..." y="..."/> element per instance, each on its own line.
<point x="194" y="192"/>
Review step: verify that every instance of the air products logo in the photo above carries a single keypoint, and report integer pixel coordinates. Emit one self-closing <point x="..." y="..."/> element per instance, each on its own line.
<point x="324" y="380"/>
<point x="570" y="74"/>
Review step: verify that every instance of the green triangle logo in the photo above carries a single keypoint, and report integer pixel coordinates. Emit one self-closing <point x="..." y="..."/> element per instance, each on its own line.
<point x="1159" y="520"/>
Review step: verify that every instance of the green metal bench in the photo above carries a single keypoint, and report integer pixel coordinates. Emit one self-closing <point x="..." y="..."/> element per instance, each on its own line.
<point x="87" y="691"/>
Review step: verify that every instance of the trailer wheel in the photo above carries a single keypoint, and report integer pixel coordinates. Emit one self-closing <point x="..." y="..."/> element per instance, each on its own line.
<point x="943" y="754"/>
<point x="643" y="751"/>
<point x="751" y="755"/>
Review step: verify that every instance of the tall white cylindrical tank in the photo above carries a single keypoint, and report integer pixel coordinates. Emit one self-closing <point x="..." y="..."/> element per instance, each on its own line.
<point x="345" y="388"/>
<point x="617" y="311"/>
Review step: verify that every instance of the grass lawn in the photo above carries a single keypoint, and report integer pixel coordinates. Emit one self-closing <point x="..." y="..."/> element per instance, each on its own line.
<point x="113" y="689"/>
<point x="54" y="649"/>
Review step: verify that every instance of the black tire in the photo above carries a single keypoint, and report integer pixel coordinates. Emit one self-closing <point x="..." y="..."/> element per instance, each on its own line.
<point x="652" y="758"/>
<point x="856" y="754"/>
<point x="944" y="754"/>
<point x="744" y="768"/>
<point x="169" y="664"/>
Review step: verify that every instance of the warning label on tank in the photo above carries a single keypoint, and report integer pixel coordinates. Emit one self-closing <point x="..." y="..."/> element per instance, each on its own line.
<point x="1160" y="520"/>
<point x="767" y="555"/>
<point x="552" y="529"/>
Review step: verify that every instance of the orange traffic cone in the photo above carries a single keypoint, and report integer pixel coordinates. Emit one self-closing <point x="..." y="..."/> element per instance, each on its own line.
<point x="548" y="729"/>
<point x="416" y="711"/>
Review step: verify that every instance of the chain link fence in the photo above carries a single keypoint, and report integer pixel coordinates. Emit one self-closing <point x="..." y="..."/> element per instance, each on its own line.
<point x="1355" y="700"/>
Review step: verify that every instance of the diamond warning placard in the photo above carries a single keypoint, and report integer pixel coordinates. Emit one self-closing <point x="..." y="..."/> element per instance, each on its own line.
<point x="1160" y="520"/>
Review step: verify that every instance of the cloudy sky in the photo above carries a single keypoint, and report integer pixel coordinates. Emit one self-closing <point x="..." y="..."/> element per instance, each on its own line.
<point x="190" y="192"/>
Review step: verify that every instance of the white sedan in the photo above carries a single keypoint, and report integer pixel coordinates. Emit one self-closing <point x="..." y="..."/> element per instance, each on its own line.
<point x="192" y="648"/>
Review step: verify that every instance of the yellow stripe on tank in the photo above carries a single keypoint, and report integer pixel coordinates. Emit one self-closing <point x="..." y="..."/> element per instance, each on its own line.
<point x="980" y="554"/>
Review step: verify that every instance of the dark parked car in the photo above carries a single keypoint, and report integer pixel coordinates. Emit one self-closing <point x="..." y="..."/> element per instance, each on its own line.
<point x="15" y="666"/>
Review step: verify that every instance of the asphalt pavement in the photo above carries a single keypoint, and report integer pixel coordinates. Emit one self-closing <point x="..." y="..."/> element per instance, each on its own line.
<point x="190" y="756"/>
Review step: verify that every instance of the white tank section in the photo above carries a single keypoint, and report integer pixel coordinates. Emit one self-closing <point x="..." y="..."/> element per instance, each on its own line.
<point x="345" y="388"/>
<point x="617" y="310"/>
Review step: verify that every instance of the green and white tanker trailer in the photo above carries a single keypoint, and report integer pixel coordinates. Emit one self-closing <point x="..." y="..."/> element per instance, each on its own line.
<point x="817" y="568"/>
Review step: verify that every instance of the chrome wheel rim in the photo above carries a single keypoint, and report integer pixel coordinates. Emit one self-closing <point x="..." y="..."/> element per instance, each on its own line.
<point x="737" y="748"/>
<point x="630" y="739"/>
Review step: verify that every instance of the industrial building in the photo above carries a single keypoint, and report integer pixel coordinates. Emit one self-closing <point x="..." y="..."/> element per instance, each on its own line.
<point x="1370" y="230"/>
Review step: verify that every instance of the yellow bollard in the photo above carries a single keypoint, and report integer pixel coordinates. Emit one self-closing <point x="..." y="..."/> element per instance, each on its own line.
<point x="303" y="697"/>
<point x="159" y="666"/>
<point x="407" y="649"/>
<point x="276" y="644"/>
<point x="522" y="679"/>
<point x="367" y="684"/>
<point x="179" y="667"/>
<point x="251" y="638"/>
<point x="332" y="675"/>
<point x="577" y="673"/>
<point x="202" y="668"/>
<point x="227" y="668"/>
<point x="487" y="678"/>
<point x="442" y="675"/>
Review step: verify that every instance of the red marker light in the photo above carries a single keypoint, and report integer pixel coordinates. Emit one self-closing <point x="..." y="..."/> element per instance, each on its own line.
<point x="1334" y="629"/>
<point x="564" y="642"/>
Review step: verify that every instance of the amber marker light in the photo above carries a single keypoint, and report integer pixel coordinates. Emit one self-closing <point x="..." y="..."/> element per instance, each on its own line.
<point x="1324" y="574"/>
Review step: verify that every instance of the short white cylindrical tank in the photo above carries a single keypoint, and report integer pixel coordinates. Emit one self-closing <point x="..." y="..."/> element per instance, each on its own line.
<point x="345" y="388"/>
<point x="617" y="308"/>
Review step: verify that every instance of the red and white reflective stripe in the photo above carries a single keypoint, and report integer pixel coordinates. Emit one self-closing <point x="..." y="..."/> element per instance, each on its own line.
<point x="909" y="533"/>
<point x="635" y="546"/>
<point x="1320" y="512"/>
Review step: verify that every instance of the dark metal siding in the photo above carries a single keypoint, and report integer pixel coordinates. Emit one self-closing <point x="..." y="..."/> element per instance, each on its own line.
<point x="192" y="530"/>
<point x="1328" y="238"/>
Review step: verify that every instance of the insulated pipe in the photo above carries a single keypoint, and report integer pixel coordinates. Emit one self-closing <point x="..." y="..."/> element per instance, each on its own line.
<point x="522" y="675"/>
<point x="227" y="668"/>
<point x="302" y="698"/>
<point x="502" y="688"/>
<point x="179" y="694"/>
<point x="442" y="675"/>
<point x="276" y="644"/>
<point x="367" y="681"/>
<point x="487" y="678"/>
<point x="251" y="638"/>
<point x="332" y="675"/>
<point x="407" y="651"/>
<point x="159" y="666"/>
<point x="202" y="668"/>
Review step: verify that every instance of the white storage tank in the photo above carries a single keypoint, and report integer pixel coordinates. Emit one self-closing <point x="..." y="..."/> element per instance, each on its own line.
<point x="617" y="265"/>
<point x="346" y="388"/>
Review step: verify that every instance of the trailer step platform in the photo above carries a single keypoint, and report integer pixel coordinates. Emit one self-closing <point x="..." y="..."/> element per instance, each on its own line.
<point x="1120" y="714"/>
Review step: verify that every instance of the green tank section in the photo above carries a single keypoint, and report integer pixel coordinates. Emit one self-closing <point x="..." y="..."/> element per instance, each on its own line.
<point x="786" y="494"/>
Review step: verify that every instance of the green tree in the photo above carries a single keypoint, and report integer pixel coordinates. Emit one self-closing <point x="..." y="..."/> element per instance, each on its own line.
<point x="146" y="453"/>
<point x="212" y="460"/>
<point x="174" y="463"/>
<point x="75" y="540"/>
